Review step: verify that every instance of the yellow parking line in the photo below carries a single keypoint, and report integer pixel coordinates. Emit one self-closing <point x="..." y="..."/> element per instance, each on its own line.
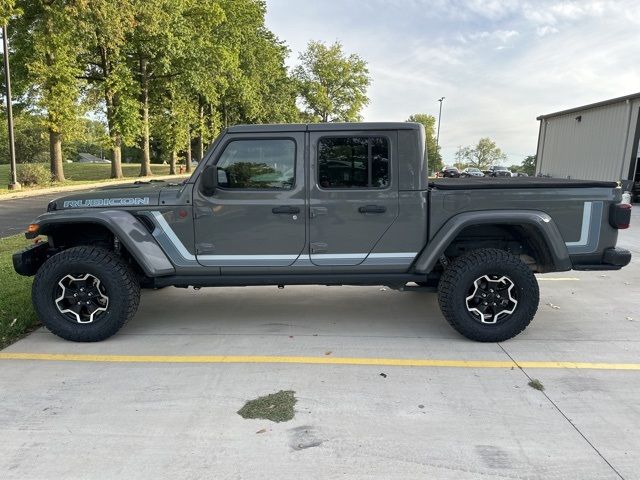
<point x="324" y="360"/>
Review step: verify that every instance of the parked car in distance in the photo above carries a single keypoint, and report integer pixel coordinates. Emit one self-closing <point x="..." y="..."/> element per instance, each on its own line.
<point x="449" y="172"/>
<point x="471" y="172"/>
<point x="497" y="171"/>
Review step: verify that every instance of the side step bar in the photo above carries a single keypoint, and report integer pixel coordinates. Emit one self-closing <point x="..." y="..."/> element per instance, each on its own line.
<point x="391" y="280"/>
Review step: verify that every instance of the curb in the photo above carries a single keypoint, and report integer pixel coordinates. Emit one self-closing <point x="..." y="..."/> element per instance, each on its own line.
<point x="85" y="186"/>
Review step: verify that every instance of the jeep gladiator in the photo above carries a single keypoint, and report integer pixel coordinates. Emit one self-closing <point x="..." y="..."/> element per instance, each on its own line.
<point x="328" y="204"/>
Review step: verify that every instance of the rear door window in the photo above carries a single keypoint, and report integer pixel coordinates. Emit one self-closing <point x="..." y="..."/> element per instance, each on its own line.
<point x="353" y="162"/>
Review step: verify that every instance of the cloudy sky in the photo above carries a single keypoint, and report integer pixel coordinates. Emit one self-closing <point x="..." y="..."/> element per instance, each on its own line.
<point x="499" y="63"/>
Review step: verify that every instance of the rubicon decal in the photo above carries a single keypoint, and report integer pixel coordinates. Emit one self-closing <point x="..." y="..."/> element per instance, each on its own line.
<point x="107" y="202"/>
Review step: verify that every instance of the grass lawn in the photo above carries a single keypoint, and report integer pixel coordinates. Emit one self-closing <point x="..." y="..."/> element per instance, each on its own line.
<point x="78" y="173"/>
<point x="17" y="316"/>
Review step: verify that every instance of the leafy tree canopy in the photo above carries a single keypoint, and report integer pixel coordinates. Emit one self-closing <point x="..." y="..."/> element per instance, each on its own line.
<point x="433" y="152"/>
<point x="332" y="85"/>
<point x="482" y="155"/>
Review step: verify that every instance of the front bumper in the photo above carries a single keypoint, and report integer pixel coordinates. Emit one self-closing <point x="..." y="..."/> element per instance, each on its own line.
<point x="613" y="259"/>
<point x="28" y="261"/>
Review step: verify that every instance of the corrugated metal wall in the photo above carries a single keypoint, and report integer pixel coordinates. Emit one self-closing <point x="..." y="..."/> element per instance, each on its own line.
<point x="598" y="146"/>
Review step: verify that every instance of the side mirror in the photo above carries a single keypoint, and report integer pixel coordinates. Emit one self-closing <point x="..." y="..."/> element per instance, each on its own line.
<point x="209" y="180"/>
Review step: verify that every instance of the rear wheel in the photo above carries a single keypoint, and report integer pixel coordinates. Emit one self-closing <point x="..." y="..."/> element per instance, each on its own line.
<point x="488" y="295"/>
<point x="85" y="294"/>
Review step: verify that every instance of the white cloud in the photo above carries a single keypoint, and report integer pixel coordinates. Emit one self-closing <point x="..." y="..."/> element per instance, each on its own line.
<point x="546" y="30"/>
<point x="499" y="63"/>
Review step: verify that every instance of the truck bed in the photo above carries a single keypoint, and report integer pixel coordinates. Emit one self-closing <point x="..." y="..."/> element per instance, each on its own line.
<point x="514" y="182"/>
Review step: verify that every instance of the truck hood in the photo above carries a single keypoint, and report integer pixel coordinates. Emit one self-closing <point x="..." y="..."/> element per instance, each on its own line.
<point x="137" y="194"/>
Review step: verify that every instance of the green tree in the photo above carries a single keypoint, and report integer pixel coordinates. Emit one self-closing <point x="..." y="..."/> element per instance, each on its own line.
<point x="92" y="138"/>
<point x="433" y="152"/>
<point x="332" y="85"/>
<point x="483" y="155"/>
<point x="48" y="44"/>
<point x="30" y="138"/>
<point x="529" y="165"/>
<point x="7" y="10"/>
<point x="106" y="26"/>
<point x="171" y="55"/>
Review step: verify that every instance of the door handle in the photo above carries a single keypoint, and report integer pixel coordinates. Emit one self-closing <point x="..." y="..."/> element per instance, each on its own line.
<point x="286" y="210"/>
<point x="372" y="209"/>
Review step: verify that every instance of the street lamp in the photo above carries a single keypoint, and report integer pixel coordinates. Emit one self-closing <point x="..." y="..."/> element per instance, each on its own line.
<point x="439" y="117"/>
<point x="13" y="182"/>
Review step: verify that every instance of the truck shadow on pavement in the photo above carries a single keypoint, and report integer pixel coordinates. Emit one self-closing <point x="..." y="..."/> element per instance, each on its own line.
<point x="303" y="310"/>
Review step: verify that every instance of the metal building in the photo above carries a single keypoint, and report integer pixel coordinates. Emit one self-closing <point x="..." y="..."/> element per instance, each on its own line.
<point x="594" y="142"/>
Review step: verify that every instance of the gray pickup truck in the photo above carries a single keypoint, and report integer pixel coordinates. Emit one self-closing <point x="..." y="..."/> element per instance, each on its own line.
<point x="328" y="204"/>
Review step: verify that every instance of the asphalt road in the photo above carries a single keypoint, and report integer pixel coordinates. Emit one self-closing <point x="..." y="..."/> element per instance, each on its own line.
<point x="160" y="399"/>
<point x="16" y="214"/>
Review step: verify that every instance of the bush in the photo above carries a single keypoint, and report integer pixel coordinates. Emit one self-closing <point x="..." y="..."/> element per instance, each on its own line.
<point x="32" y="174"/>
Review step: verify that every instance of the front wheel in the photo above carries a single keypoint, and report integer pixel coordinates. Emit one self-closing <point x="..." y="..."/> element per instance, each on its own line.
<point x="488" y="295"/>
<point x="85" y="294"/>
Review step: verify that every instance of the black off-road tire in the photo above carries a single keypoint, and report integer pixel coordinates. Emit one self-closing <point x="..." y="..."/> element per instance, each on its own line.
<point x="457" y="280"/>
<point x="117" y="279"/>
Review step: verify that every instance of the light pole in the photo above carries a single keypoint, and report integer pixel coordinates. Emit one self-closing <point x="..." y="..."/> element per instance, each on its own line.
<point x="441" y="99"/>
<point x="13" y="182"/>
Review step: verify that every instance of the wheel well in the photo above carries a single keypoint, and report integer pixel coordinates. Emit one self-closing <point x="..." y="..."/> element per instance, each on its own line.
<point x="68" y="235"/>
<point x="76" y="234"/>
<point x="524" y="241"/>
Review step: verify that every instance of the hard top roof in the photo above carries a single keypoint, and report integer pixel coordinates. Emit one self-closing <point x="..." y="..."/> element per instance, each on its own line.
<point x="321" y="127"/>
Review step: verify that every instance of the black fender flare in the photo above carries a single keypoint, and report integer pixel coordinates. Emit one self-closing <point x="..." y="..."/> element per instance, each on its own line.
<point x="129" y="230"/>
<point x="540" y="221"/>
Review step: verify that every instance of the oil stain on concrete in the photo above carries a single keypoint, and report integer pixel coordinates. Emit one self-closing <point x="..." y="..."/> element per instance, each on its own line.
<point x="306" y="436"/>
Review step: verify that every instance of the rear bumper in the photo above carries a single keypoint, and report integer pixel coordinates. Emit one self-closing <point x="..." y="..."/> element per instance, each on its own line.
<point x="612" y="259"/>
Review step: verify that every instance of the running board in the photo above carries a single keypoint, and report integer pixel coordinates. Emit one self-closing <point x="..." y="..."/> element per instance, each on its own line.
<point x="396" y="281"/>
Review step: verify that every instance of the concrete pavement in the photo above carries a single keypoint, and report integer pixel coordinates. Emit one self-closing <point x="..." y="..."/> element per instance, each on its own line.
<point x="103" y="420"/>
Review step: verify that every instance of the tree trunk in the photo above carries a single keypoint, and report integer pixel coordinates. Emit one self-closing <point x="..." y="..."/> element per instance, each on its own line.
<point x="200" y="150"/>
<point x="187" y="166"/>
<point x="112" y="101"/>
<point x="55" y="155"/>
<point x="116" y="157"/>
<point x="172" y="162"/>
<point x="145" y="167"/>
<point x="114" y="135"/>
<point x="210" y="126"/>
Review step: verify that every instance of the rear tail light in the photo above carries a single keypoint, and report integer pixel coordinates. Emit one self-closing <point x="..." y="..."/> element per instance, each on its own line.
<point x="620" y="215"/>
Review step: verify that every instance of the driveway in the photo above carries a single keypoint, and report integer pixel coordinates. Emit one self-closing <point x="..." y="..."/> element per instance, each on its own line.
<point x="385" y="388"/>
